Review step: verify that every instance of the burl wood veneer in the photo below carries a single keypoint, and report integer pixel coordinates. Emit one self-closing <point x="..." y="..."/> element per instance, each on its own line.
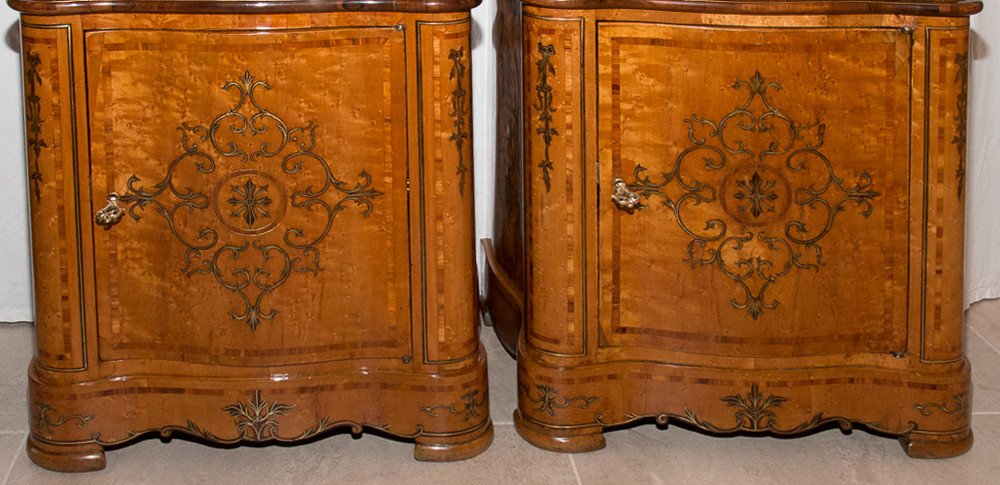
<point x="742" y="216"/>
<point x="252" y="222"/>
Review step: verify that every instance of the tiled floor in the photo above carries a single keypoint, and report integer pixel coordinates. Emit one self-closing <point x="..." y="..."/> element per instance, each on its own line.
<point x="637" y="455"/>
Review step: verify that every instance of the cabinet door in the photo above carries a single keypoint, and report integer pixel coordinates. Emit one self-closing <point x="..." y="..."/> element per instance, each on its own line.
<point x="263" y="180"/>
<point x="769" y="169"/>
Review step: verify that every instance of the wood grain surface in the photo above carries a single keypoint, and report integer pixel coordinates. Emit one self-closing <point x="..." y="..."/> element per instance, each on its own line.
<point x="505" y="257"/>
<point x="67" y="7"/>
<point x="294" y="252"/>
<point x="744" y="223"/>
<point x="950" y="8"/>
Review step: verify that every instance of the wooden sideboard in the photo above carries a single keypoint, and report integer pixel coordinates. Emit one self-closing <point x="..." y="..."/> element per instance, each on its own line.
<point x="746" y="217"/>
<point x="251" y="227"/>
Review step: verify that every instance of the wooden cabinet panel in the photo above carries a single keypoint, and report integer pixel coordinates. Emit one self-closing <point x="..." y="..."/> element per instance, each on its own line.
<point x="275" y="200"/>
<point x="53" y="168"/>
<point x="445" y="178"/>
<point x="943" y="237"/>
<point x="253" y="227"/>
<point x="755" y="227"/>
<point x="556" y="193"/>
<point x="773" y="205"/>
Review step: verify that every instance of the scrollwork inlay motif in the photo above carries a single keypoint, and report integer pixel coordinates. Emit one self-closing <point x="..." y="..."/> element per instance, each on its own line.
<point x="958" y="407"/>
<point x="754" y="411"/>
<point x="41" y="421"/>
<point x="256" y="420"/>
<point x="470" y="407"/>
<point x="547" y="402"/>
<point x="544" y="94"/>
<point x="962" y="117"/>
<point x="248" y="201"/>
<point x="757" y="151"/>
<point x="33" y="116"/>
<point x="458" y="113"/>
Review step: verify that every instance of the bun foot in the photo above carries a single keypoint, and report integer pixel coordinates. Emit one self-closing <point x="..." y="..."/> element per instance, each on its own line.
<point x="566" y="440"/>
<point x="454" y="448"/>
<point x="66" y="458"/>
<point x="918" y="444"/>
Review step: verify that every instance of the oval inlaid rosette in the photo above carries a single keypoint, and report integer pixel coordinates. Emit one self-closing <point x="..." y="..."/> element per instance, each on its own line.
<point x="249" y="202"/>
<point x="755" y="195"/>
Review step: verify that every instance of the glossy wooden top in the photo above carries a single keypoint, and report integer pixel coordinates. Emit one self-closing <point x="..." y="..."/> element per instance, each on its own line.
<point x="951" y="8"/>
<point x="59" y="7"/>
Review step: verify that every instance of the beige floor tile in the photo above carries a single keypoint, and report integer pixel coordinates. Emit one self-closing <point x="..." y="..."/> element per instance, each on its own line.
<point x="16" y="350"/>
<point x="985" y="375"/>
<point x="647" y="455"/>
<point x="984" y="318"/>
<point x="503" y="379"/>
<point x="337" y="459"/>
<point x="10" y="446"/>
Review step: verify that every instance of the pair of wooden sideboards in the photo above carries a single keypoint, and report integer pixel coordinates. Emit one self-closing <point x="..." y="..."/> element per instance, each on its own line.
<point x="253" y="221"/>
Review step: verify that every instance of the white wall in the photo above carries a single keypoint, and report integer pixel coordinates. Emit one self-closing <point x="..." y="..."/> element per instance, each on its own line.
<point x="15" y="268"/>
<point x="983" y="239"/>
<point x="484" y="101"/>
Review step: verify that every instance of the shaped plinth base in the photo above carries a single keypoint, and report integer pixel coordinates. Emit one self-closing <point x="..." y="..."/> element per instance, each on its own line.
<point x="454" y="448"/>
<point x="566" y="440"/>
<point x="66" y="458"/>
<point x="918" y="444"/>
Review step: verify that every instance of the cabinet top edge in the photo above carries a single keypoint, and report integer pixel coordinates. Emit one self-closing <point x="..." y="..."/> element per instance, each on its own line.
<point x="61" y="7"/>
<point x="942" y="8"/>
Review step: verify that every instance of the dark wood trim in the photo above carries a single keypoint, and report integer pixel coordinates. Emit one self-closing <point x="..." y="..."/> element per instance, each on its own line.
<point x="62" y="7"/>
<point x="505" y="283"/>
<point x="506" y="252"/>
<point x="946" y="8"/>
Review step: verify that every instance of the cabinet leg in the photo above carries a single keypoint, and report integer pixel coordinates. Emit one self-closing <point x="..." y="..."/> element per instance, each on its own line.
<point x="566" y="440"/>
<point x="66" y="458"/>
<point x="454" y="448"/>
<point x="918" y="444"/>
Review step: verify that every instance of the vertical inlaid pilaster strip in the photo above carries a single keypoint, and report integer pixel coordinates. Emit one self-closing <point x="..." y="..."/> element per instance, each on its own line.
<point x="458" y="113"/>
<point x="33" y="117"/>
<point x="543" y="92"/>
<point x="961" y="119"/>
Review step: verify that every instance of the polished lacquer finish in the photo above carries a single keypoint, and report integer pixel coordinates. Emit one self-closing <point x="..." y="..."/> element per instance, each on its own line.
<point x="741" y="216"/>
<point x="251" y="227"/>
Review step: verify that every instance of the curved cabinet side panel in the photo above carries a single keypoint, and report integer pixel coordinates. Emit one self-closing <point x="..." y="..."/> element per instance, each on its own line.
<point x="53" y="166"/>
<point x="505" y="254"/>
<point x="943" y="241"/>
<point x="556" y="184"/>
<point x="445" y="184"/>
